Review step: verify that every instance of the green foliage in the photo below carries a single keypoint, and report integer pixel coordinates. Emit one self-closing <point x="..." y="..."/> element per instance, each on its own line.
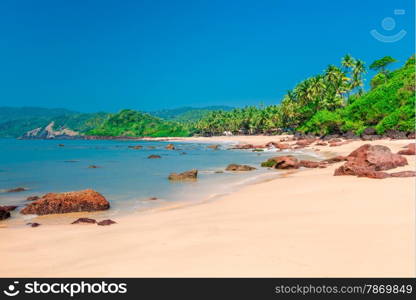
<point x="378" y="79"/>
<point x="323" y="122"/>
<point x="133" y="123"/>
<point x="187" y="114"/>
<point x="248" y="120"/>
<point x="268" y="163"/>
<point x="389" y="105"/>
<point x="382" y="63"/>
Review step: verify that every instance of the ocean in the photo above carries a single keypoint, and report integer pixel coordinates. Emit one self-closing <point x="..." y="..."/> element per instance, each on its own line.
<point x="125" y="176"/>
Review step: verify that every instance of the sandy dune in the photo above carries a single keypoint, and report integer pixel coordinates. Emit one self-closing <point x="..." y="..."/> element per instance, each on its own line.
<point x="308" y="223"/>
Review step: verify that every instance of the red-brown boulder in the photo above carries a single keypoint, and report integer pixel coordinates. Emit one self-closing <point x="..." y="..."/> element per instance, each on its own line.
<point x="368" y="160"/>
<point x="377" y="157"/>
<point x="282" y="162"/>
<point x="54" y="203"/>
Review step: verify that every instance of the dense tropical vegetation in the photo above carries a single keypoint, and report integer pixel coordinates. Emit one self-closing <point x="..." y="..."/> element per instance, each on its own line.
<point x="331" y="102"/>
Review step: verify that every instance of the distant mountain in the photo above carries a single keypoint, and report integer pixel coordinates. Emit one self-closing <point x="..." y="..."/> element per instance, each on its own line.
<point x="18" y="113"/>
<point x="17" y="121"/>
<point x="37" y="122"/>
<point x="187" y="114"/>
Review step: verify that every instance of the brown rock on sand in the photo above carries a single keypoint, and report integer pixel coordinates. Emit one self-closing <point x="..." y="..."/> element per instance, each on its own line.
<point x="282" y="162"/>
<point x="410" y="150"/>
<point x="403" y="174"/>
<point x="59" y="203"/>
<point x="311" y="164"/>
<point x="106" y="222"/>
<point x="84" y="221"/>
<point x="368" y="160"/>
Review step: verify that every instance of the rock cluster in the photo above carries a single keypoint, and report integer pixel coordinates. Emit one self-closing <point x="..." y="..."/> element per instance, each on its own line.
<point x="369" y="161"/>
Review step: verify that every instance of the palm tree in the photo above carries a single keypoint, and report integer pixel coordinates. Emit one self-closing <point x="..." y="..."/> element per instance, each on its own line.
<point x="357" y="75"/>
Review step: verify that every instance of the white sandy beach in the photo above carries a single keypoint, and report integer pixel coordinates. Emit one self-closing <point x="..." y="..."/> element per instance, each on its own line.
<point x="307" y="224"/>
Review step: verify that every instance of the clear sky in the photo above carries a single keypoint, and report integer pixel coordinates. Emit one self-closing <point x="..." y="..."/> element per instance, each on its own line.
<point x="105" y="55"/>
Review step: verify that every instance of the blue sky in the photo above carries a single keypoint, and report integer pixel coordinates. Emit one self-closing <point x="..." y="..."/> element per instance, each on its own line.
<point x="107" y="55"/>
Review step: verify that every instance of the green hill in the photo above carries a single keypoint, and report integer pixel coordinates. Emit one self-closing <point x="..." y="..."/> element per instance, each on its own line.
<point x="134" y="123"/>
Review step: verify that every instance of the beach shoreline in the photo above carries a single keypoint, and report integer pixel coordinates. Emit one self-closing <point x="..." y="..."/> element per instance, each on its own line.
<point x="306" y="224"/>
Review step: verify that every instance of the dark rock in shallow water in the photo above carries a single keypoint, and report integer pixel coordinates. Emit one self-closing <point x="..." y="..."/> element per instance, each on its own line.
<point x="214" y="147"/>
<point x="16" y="190"/>
<point x="152" y="198"/>
<point x="32" y="198"/>
<point x="235" y="167"/>
<point x="4" y="213"/>
<point x="188" y="175"/>
<point x="54" y="203"/>
<point x="93" y="167"/>
<point x="84" y="221"/>
<point x="154" y="156"/>
<point x="106" y="222"/>
<point x="61" y="145"/>
<point x="137" y="147"/>
<point x="33" y="224"/>
<point x="170" y="147"/>
<point x="9" y="207"/>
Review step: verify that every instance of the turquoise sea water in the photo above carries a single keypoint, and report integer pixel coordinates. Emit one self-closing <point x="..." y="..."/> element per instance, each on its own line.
<point x="126" y="177"/>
